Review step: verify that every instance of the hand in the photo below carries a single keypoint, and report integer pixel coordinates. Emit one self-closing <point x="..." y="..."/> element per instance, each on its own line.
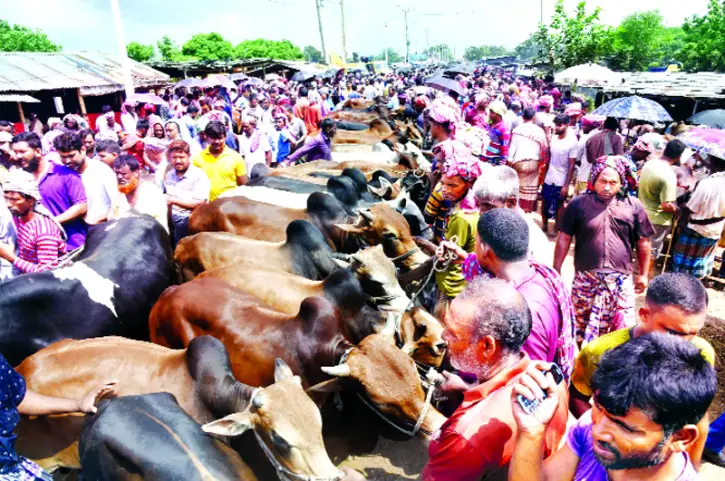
<point x="453" y="383"/>
<point x="88" y="403"/>
<point x="641" y="283"/>
<point x="7" y="252"/>
<point x="564" y="192"/>
<point x="532" y="385"/>
<point x="352" y="475"/>
<point x="170" y="199"/>
<point x="454" y="248"/>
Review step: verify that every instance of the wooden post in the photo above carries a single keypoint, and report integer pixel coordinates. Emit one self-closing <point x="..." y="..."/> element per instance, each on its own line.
<point x="20" y="112"/>
<point x="81" y="102"/>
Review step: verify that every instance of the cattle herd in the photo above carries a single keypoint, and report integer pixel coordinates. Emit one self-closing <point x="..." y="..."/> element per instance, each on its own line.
<point x="283" y="312"/>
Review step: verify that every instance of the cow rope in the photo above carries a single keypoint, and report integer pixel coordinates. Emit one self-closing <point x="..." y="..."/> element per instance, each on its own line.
<point x="284" y="473"/>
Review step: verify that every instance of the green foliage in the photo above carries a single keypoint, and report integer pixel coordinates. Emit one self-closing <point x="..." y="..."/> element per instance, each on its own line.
<point x="311" y="54"/>
<point x="393" y="56"/>
<point x="440" y="52"/>
<point x="572" y="40"/>
<point x="529" y="49"/>
<point x="477" y="53"/>
<point x="139" y="52"/>
<point x="261" y="48"/>
<point x="208" y="46"/>
<point x="642" y="41"/>
<point x="16" y="38"/>
<point x="704" y="40"/>
<point x="168" y="49"/>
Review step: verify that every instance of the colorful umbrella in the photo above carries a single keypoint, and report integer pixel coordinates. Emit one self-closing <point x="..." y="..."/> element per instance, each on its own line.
<point x="637" y="108"/>
<point x="709" y="141"/>
<point x="445" y="84"/>
<point x="146" y="99"/>
<point x="712" y="118"/>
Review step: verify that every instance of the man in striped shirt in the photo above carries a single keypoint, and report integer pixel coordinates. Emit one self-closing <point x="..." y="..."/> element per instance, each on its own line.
<point x="40" y="239"/>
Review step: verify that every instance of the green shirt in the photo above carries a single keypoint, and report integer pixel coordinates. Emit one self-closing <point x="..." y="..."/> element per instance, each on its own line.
<point x="657" y="185"/>
<point x="463" y="226"/>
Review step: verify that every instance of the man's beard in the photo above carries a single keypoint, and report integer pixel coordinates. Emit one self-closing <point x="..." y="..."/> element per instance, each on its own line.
<point x="467" y="362"/>
<point x="129" y="187"/>
<point x="32" y="165"/>
<point x="653" y="458"/>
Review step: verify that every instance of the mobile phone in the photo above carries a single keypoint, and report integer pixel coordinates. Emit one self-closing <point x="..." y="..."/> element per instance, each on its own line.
<point x="530" y="406"/>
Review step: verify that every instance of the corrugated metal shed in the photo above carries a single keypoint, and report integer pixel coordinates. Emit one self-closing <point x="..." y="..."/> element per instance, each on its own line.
<point x="19" y="98"/>
<point x="701" y="85"/>
<point x="95" y="73"/>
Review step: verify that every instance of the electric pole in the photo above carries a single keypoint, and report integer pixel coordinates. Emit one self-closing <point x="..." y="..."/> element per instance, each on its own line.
<point x="386" y="48"/>
<point x="318" y="3"/>
<point x="121" y="45"/>
<point x="407" y="39"/>
<point x="541" y="4"/>
<point x="344" y="41"/>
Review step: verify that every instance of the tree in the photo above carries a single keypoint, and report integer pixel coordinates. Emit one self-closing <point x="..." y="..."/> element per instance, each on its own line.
<point x="638" y="41"/>
<point x="312" y="54"/>
<point x="569" y="41"/>
<point x="440" y="52"/>
<point x="529" y="49"/>
<point x="208" y="46"/>
<point x="704" y="40"/>
<point x="485" y="51"/>
<point x="139" y="52"/>
<point x="16" y="38"/>
<point x="393" y="56"/>
<point x="169" y="51"/>
<point x="261" y="48"/>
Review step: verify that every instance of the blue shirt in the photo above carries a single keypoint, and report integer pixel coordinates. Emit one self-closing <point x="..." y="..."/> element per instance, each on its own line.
<point x="12" y="392"/>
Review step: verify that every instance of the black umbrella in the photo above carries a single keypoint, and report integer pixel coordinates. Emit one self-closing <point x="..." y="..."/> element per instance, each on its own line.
<point x="461" y="68"/>
<point x="303" y="75"/>
<point x="445" y="84"/>
<point x="712" y="118"/>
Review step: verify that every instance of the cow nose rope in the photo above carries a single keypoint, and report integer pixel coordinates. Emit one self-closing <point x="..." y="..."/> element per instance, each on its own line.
<point x="282" y="471"/>
<point x="444" y="258"/>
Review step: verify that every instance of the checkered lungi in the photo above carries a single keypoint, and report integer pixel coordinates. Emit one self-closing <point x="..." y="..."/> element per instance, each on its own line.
<point x="25" y="470"/>
<point x="694" y="254"/>
<point x="603" y="302"/>
<point x="528" y="171"/>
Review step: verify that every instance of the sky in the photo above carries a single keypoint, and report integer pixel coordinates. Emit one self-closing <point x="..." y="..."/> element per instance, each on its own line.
<point x="371" y="25"/>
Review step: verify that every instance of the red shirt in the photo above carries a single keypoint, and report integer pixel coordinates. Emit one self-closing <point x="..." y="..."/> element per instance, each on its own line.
<point x="477" y="441"/>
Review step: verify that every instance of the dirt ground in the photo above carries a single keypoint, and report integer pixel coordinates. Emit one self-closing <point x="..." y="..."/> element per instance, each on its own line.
<point x="404" y="460"/>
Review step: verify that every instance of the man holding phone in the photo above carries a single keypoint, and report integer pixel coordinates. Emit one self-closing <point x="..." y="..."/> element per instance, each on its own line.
<point x="486" y="326"/>
<point x="643" y="421"/>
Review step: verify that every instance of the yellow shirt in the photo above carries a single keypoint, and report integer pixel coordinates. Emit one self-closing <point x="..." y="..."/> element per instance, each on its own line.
<point x="588" y="360"/>
<point x="462" y="225"/>
<point x="222" y="171"/>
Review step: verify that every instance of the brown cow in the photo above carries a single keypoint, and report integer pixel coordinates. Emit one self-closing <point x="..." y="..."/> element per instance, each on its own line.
<point x="379" y="130"/>
<point x="255" y="335"/>
<point x="200" y="379"/>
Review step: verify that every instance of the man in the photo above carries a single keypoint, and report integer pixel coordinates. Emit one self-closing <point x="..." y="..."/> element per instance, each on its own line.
<point x="143" y="197"/>
<point x="61" y="188"/>
<point x="108" y="151"/>
<point x="527" y="152"/>
<point x="296" y="126"/>
<point x="8" y="237"/>
<point x="253" y="109"/>
<point x="41" y="240"/>
<point x="135" y="144"/>
<point x="485" y="328"/>
<point x="89" y="141"/>
<point x="7" y="157"/>
<point x="186" y="186"/>
<point x="307" y="111"/>
<point x="589" y="125"/>
<point x="98" y="179"/>
<point x="499" y="132"/>
<point x="254" y="144"/>
<point x="694" y="251"/>
<point x="564" y="148"/>
<point x="643" y="421"/>
<point x="224" y="167"/>
<point x="7" y="126"/>
<point x="658" y="194"/>
<point x="608" y="226"/>
<point x="317" y="147"/>
<point x="606" y="142"/>
<point x="33" y="124"/>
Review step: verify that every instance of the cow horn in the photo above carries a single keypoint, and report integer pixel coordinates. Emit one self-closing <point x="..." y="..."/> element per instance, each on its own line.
<point x="378" y="191"/>
<point x="340" y="256"/>
<point x="258" y="401"/>
<point x="343" y="370"/>
<point x="357" y="259"/>
<point x="390" y="325"/>
<point x="367" y="215"/>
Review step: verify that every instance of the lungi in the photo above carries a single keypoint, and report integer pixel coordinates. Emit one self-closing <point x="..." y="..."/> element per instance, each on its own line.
<point x="26" y="470"/>
<point x="528" y="171"/>
<point x="552" y="198"/>
<point x="603" y="302"/>
<point x="694" y="254"/>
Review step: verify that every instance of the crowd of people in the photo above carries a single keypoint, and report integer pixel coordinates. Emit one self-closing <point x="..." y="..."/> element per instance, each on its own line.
<point x="505" y="149"/>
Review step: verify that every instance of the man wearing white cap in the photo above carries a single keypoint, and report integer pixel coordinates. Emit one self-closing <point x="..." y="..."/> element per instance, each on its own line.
<point x="41" y="240"/>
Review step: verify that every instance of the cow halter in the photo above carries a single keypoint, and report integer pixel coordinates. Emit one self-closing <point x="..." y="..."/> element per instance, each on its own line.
<point x="284" y="473"/>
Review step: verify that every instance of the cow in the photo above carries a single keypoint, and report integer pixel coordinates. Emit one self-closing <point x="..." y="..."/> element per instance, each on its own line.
<point x="150" y="437"/>
<point x="379" y="130"/>
<point x="199" y="377"/>
<point x="304" y="253"/>
<point x="255" y="335"/>
<point x="109" y="289"/>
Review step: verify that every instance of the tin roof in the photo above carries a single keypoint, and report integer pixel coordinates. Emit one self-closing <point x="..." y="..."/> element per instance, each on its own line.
<point x="95" y="72"/>
<point x="701" y="85"/>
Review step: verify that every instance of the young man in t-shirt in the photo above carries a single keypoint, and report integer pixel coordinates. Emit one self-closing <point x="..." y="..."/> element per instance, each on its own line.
<point x="564" y="150"/>
<point x="642" y="424"/>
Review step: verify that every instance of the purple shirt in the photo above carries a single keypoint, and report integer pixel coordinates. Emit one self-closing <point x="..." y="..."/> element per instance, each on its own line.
<point x="546" y="316"/>
<point x="61" y="188"/>
<point x="589" y="469"/>
<point x="316" y="148"/>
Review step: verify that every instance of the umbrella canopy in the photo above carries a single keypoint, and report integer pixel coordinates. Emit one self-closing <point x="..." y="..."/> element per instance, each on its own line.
<point x="272" y="76"/>
<point x="331" y="73"/>
<point x="637" y="108"/>
<point x="146" y="99"/>
<point x="461" y="68"/>
<point x="589" y="74"/>
<point x="190" y="82"/>
<point x="256" y="81"/>
<point x="303" y="75"/>
<point x="709" y="141"/>
<point x="445" y="84"/>
<point x="712" y="118"/>
<point x="19" y="98"/>
<point x="216" y="80"/>
<point x="238" y="76"/>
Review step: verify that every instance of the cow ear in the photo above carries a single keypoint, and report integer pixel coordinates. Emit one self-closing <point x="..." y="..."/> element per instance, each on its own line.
<point x="282" y="371"/>
<point x="232" y="425"/>
<point x="350" y="228"/>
